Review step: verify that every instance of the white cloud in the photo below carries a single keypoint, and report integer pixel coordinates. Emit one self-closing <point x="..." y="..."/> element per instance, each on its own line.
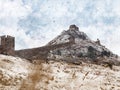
<point x="10" y="13"/>
<point x="39" y="21"/>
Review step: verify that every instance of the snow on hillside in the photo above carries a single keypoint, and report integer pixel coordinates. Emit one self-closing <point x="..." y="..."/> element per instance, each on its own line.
<point x="19" y="74"/>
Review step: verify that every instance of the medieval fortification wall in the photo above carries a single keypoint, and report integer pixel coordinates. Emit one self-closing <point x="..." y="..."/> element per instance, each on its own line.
<point x="7" y="47"/>
<point x="40" y="52"/>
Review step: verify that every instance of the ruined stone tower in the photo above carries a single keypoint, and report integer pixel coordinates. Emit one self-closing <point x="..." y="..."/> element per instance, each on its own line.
<point x="7" y="44"/>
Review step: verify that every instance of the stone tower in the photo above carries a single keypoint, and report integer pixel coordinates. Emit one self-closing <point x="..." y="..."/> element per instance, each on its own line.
<point x="7" y="44"/>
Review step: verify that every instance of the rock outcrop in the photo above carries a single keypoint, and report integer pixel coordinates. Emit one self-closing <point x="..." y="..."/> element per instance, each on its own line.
<point x="71" y="35"/>
<point x="82" y="48"/>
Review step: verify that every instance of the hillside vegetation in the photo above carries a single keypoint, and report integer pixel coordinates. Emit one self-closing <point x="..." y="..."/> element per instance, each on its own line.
<point x="19" y="74"/>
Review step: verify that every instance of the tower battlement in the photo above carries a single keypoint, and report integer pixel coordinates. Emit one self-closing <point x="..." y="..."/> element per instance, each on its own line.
<point x="7" y="45"/>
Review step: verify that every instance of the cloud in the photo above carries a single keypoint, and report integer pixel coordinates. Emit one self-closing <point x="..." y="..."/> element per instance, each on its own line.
<point x="39" y="21"/>
<point x="10" y="14"/>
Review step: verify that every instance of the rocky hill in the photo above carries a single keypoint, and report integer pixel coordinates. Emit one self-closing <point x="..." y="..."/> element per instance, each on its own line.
<point x="80" y="48"/>
<point x="19" y="74"/>
<point x="72" y="46"/>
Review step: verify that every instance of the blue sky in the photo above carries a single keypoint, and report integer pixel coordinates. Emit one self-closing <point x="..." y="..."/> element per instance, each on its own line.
<point x="35" y="22"/>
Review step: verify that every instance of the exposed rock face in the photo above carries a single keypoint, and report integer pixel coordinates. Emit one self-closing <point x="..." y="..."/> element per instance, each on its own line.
<point x="71" y="35"/>
<point x="81" y="48"/>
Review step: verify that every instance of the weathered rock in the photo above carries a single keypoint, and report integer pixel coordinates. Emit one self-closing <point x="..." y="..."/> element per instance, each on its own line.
<point x="81" y="47"/>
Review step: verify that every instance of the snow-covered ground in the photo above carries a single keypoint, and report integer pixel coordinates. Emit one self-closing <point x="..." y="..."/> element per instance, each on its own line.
<point x="19" y="74"/>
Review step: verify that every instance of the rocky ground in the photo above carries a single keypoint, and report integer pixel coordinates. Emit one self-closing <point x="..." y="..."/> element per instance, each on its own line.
<point x="12" y="71"/>
<point x="19" y="74"/>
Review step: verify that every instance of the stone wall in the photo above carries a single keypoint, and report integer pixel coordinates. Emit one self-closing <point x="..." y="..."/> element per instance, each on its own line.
<point x="7" y="44"/>
<point x="40" y="52"/>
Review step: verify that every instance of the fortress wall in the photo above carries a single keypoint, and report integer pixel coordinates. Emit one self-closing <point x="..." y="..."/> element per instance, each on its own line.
<point x="40" y="52"/>
<point x="7" y="44"/>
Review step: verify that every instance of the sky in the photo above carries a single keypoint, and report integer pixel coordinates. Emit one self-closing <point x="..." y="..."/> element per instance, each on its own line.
<point x="34" y="23"/>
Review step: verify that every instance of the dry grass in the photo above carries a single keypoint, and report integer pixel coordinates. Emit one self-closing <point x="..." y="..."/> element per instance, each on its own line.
<point x="32" y="80"/>
<point x="37" y="75"/>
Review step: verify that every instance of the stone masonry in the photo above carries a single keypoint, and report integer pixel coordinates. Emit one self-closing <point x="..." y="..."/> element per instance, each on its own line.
<point x="7" y="45"/>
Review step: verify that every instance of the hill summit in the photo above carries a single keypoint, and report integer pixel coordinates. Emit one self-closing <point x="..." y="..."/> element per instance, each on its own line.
<point x="80" y="47"/>
<point x="71" y="34"/>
